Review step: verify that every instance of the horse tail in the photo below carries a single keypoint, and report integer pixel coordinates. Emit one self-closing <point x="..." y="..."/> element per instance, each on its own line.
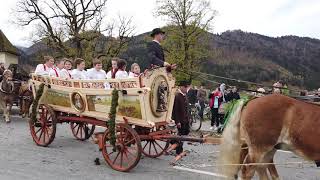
<point x="231" y="143"/>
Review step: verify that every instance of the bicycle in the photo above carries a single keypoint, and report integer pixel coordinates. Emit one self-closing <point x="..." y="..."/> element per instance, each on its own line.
<point x="195" y="119"/>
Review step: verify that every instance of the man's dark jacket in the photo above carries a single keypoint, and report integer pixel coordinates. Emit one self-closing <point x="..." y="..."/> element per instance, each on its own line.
<point x="155" y="54"/>
<point x="180" y="113"/>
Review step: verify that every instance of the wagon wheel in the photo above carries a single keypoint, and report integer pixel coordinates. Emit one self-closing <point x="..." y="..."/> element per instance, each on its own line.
<point x="127" y="151"/>
<point x="154" y="148"/>
<point x="43" y="131"/>
<point x="82" y="131"/>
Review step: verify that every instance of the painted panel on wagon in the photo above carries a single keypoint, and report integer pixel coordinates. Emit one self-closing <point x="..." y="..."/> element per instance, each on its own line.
<point x="129" y="106"/>
<point x="57" y="97"/>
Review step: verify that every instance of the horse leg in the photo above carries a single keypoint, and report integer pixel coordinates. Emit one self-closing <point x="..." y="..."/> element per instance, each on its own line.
<point x="6" y="113"/>
<point x="8" y="108"/>
<point x="23" y="108"/>
<point x="243" y="155"/>
<point x="271" y="167"/>
<point x="248" y="171"/>
<point x="262" y="172"/>
<point x="29" y="103"/>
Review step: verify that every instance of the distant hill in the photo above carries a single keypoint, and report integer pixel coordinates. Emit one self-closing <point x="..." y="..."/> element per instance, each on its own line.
<point x="242" y="55"/>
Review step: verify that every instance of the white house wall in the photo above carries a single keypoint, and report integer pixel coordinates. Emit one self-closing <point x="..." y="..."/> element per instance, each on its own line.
<point x="8" y="59"/>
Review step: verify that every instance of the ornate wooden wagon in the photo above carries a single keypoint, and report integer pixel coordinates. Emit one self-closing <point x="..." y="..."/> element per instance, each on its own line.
<point x="144" y="108"/>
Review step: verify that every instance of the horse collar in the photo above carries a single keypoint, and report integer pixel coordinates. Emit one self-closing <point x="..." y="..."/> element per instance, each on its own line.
<point x="12" y="88"/>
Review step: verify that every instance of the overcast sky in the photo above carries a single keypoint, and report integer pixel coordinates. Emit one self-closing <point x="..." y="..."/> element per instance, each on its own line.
<point x="267" y="17"/>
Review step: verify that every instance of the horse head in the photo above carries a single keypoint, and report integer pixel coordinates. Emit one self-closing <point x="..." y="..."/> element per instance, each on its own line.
<point x="7" y="85"/>
<point x="7" y="75"/>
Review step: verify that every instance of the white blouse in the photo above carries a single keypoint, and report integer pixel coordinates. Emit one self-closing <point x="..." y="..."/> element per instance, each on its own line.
<point x="109" y="74"/>
<point x="42" y="69"/>
<point x="121" y="74"/>
<point x="133" y="75"/>
<point x="58" y="73"/>
<point x="66" y="73"/>
<point x="94" y="74"/>
<point x="77" y="74"/>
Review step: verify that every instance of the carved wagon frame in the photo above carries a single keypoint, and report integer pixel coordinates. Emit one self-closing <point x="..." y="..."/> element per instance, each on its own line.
<point x="142" y="120"/>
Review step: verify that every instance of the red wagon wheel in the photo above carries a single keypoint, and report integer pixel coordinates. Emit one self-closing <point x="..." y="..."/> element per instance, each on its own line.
<point x="82" y="131"/>
<point x="43" y="130"/>
<point x="154" y="148"/>
<point x="127" y="151"/>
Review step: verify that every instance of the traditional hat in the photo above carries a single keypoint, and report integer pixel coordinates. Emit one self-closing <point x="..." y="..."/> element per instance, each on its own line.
<point x="183" y="83"/>
<point x="156" y="31"/>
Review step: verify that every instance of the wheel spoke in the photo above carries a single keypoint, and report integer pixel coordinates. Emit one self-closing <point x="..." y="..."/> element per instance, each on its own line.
<point x="121" y="159"/>
<point x="44" y="135"/>
<point x="154" y="147"/>
<point x="128" y="142"/>
<point x="74" y="126"/>
<point x="116" y="158"/>
<point x="81" y="129"/>
<point x="145" y="145"/>
<point x="126" y="155"/>
<point x="130" y="153"/>
<point x="38" y="131"/>
<point x="150" y="148"/>
<point x="41" y="134"/>
<point x="77" y="131"/>
<point x="158" y="145"/>
<point x="47" y="132"/>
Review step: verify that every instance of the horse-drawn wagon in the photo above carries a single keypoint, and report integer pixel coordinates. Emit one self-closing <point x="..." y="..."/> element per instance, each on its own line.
<point x="142" y="117"/>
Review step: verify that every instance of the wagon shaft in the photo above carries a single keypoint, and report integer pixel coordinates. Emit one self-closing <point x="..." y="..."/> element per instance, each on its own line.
<point x="206" y="140"/>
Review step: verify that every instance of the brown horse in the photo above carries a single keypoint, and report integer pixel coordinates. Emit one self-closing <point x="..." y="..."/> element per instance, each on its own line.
<point x="6" y="94"/>
<point x="26" y="98"/>
<point x="264" y="125"/>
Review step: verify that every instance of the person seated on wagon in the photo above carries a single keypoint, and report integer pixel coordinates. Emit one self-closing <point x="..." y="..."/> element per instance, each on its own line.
<point x="44" y="69"/>
<point x="114" y="68"/>
<point x="121" y="73"/>
<point x="67" y="68"/>
<point x="79" y="72"/>
<point x="96" y="72"/>
<point x="57" y="71"/>
<point x="135" y="70"/>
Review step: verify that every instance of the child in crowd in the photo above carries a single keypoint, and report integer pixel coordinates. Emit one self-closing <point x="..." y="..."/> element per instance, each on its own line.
<point x="67" y="68"/>
<point x="96" y="72"/>
<point x="113" y="71"/>
<point x="79" y="72"/>
<point x="135" y="70"/>
<point x="121" y="73"/>
<point x="58" y="70"/>
<point x="44" y="69"/>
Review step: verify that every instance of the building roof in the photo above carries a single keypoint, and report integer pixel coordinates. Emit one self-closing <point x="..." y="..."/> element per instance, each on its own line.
<point x="6" y="46"/>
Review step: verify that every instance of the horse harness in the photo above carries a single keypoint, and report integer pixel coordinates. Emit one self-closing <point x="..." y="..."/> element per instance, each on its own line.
<point x="26" y="97"/>
<point x="3" y="91"/>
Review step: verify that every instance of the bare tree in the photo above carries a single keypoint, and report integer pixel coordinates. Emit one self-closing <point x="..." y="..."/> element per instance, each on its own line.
<point x="61" y="20"/>
<point x="188" y="23"/>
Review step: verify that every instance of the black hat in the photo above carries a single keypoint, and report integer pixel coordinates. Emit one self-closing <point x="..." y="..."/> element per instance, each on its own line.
<point x="156" y="31"/>
<point x="183" y="83"/>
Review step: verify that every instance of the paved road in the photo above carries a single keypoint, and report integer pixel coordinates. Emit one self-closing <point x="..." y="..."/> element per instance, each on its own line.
<point x="67" y="158"/>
